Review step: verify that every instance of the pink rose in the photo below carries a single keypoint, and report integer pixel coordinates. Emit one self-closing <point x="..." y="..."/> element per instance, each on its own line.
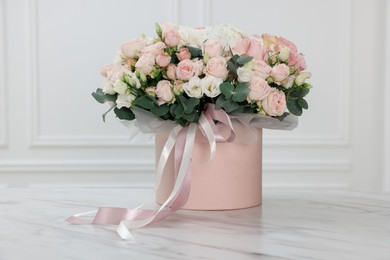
<point x="183" y="54"/>
<point x="259" y="89"/>
<point x="185" y="70"/>
<point x="280" y="72"/>
<point x="217" y="67"/>
<point x="164" y="92"/>
<point x="172" y="38"/>
<point x="145" y="63"/>
<point x="154" y="49"/>
<point x="212" y="48"/>
<point x="171" y="71"/>
<point x="275" y="103"/>
<point x="255" y="50"/>
<point x="163" y="59"/>
<point x="131" y="48"/>
<point x="241" y="47"/>
<point x="286" y="43"/>
<point x="297" y="60"/>
<point x="116" y="72"/>
<point x="261" y="69"/>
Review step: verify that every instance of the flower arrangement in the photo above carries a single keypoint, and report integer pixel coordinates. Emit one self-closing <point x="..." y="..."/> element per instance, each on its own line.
<point x="175" y="74"/>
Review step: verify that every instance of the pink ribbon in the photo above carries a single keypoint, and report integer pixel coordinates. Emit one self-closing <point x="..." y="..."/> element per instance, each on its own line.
<point x="114" y="216"/>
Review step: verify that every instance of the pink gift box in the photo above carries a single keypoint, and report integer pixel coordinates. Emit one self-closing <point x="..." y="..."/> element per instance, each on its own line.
<point x="231" y="180"/>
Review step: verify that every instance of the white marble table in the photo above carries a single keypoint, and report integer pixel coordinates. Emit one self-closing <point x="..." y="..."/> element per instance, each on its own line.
<point x="291" y="224"/>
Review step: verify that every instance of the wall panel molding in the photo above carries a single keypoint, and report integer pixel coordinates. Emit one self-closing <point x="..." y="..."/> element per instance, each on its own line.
<point x="3" y="77"/>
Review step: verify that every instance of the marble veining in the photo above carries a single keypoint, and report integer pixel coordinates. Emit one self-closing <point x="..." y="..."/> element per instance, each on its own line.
<point x="294" y="224"/>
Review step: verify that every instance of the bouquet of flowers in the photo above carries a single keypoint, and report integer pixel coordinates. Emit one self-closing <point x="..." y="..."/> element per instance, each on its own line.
<point x="175" y="74"/>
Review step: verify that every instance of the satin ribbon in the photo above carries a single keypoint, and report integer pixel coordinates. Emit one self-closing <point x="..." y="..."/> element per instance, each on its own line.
<point x="182" y="139"/>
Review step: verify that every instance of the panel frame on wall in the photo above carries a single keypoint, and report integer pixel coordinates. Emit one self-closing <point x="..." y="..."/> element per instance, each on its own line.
<point x="37" y="139"/>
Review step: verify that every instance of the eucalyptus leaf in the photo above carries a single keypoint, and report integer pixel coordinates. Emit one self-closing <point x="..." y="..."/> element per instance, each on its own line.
<point x="294" y="108"/>
<point x="240" y="92"/>
<point x="243" y="60"/>
<point x="124" y="113"/>
<point x="226" y="89"/>
<point x="190" y="117"/>
<point x="303" y="103"/>
<point x="146" y="102"/>
<point x="304" y="92"/>
<point x="160" y="110"/>
<point x="102" y="97"/>
<point x="195" y="52"/>
<point x="227" y="104"/>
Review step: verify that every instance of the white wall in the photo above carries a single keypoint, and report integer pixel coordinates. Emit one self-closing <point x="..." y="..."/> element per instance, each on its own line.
<point x="51" y="51"/>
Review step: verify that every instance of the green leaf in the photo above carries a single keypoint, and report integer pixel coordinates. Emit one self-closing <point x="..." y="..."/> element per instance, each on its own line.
<point x="240" y="92"/>
<point x="227" y="104"/>
<point x="124" y="113"/>
<point x="234" y="58"/>
<point x="190" y="117"/>
<point x="104" y="115"/>
<point x="232" y="67"/>
<point x="191" y="104"/>
<point x="304" y="92"/>
<point x="102" y="97"/>
<point x="243" y="60"/>
<point x="294" y="108"/>
<point x="302" y="103"/>
<point x="226" y="89"/>
<point x="195" y="52"/>
<point x="160" y="110"/>
<point x="145" y="102"/>
<point x="178" y="112"/>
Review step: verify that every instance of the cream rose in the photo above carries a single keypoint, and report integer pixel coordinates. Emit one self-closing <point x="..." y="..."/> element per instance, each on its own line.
<point x="301" y="78"/>
<point x="108" y="88"/>
<point x="145" y="63"/>
<point x="217" y="67"/>
<point x="186" y="69"/>
<point x="210" y="86"/>
<point x="261" y="69"/>
<point x="193" y="87"/>
<point x="164" y="91"/>
<point x="244" y="74"/>
<point x="131" y="48"/>
<point x="259" y="89"/>
<point x="280" y="72"/>
<point x="275" y="103"/>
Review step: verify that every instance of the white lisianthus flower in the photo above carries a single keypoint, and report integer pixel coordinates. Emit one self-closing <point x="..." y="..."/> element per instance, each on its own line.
<point x="108" y="88"/>
<point x="228" y="35"/>
<point x="244" y="74"/>
<point x="287" y="83"/>
<point x="120" y="87"/>
<point x="300" y="79"/>
<point x="193" y="37"/>
<point x="125" y="101"/>
<point x="193" y="87"/>
<point x="210" y="86"/>
<point x="133" y="80"/>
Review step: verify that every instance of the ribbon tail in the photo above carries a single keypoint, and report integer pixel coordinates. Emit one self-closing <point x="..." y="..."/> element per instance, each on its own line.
<point x="178" y="196"/>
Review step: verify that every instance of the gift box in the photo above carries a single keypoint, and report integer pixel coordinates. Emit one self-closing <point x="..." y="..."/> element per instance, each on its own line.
<point x="230" y="180"/>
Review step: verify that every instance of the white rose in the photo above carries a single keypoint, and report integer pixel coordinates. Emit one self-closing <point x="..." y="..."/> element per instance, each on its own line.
<point x="125" y="101"/>
<point x="300" y="79"/>
<point x="133" y="80"/>
<point x="120" y="87"/>
<point x="244" y="74"/>
<point x="210" y="86"/>
<point x="108" y="88"/>
<point x="193" y="87"/>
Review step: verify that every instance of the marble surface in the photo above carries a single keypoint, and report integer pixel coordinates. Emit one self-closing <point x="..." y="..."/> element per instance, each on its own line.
<point x="291" y="224"/>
